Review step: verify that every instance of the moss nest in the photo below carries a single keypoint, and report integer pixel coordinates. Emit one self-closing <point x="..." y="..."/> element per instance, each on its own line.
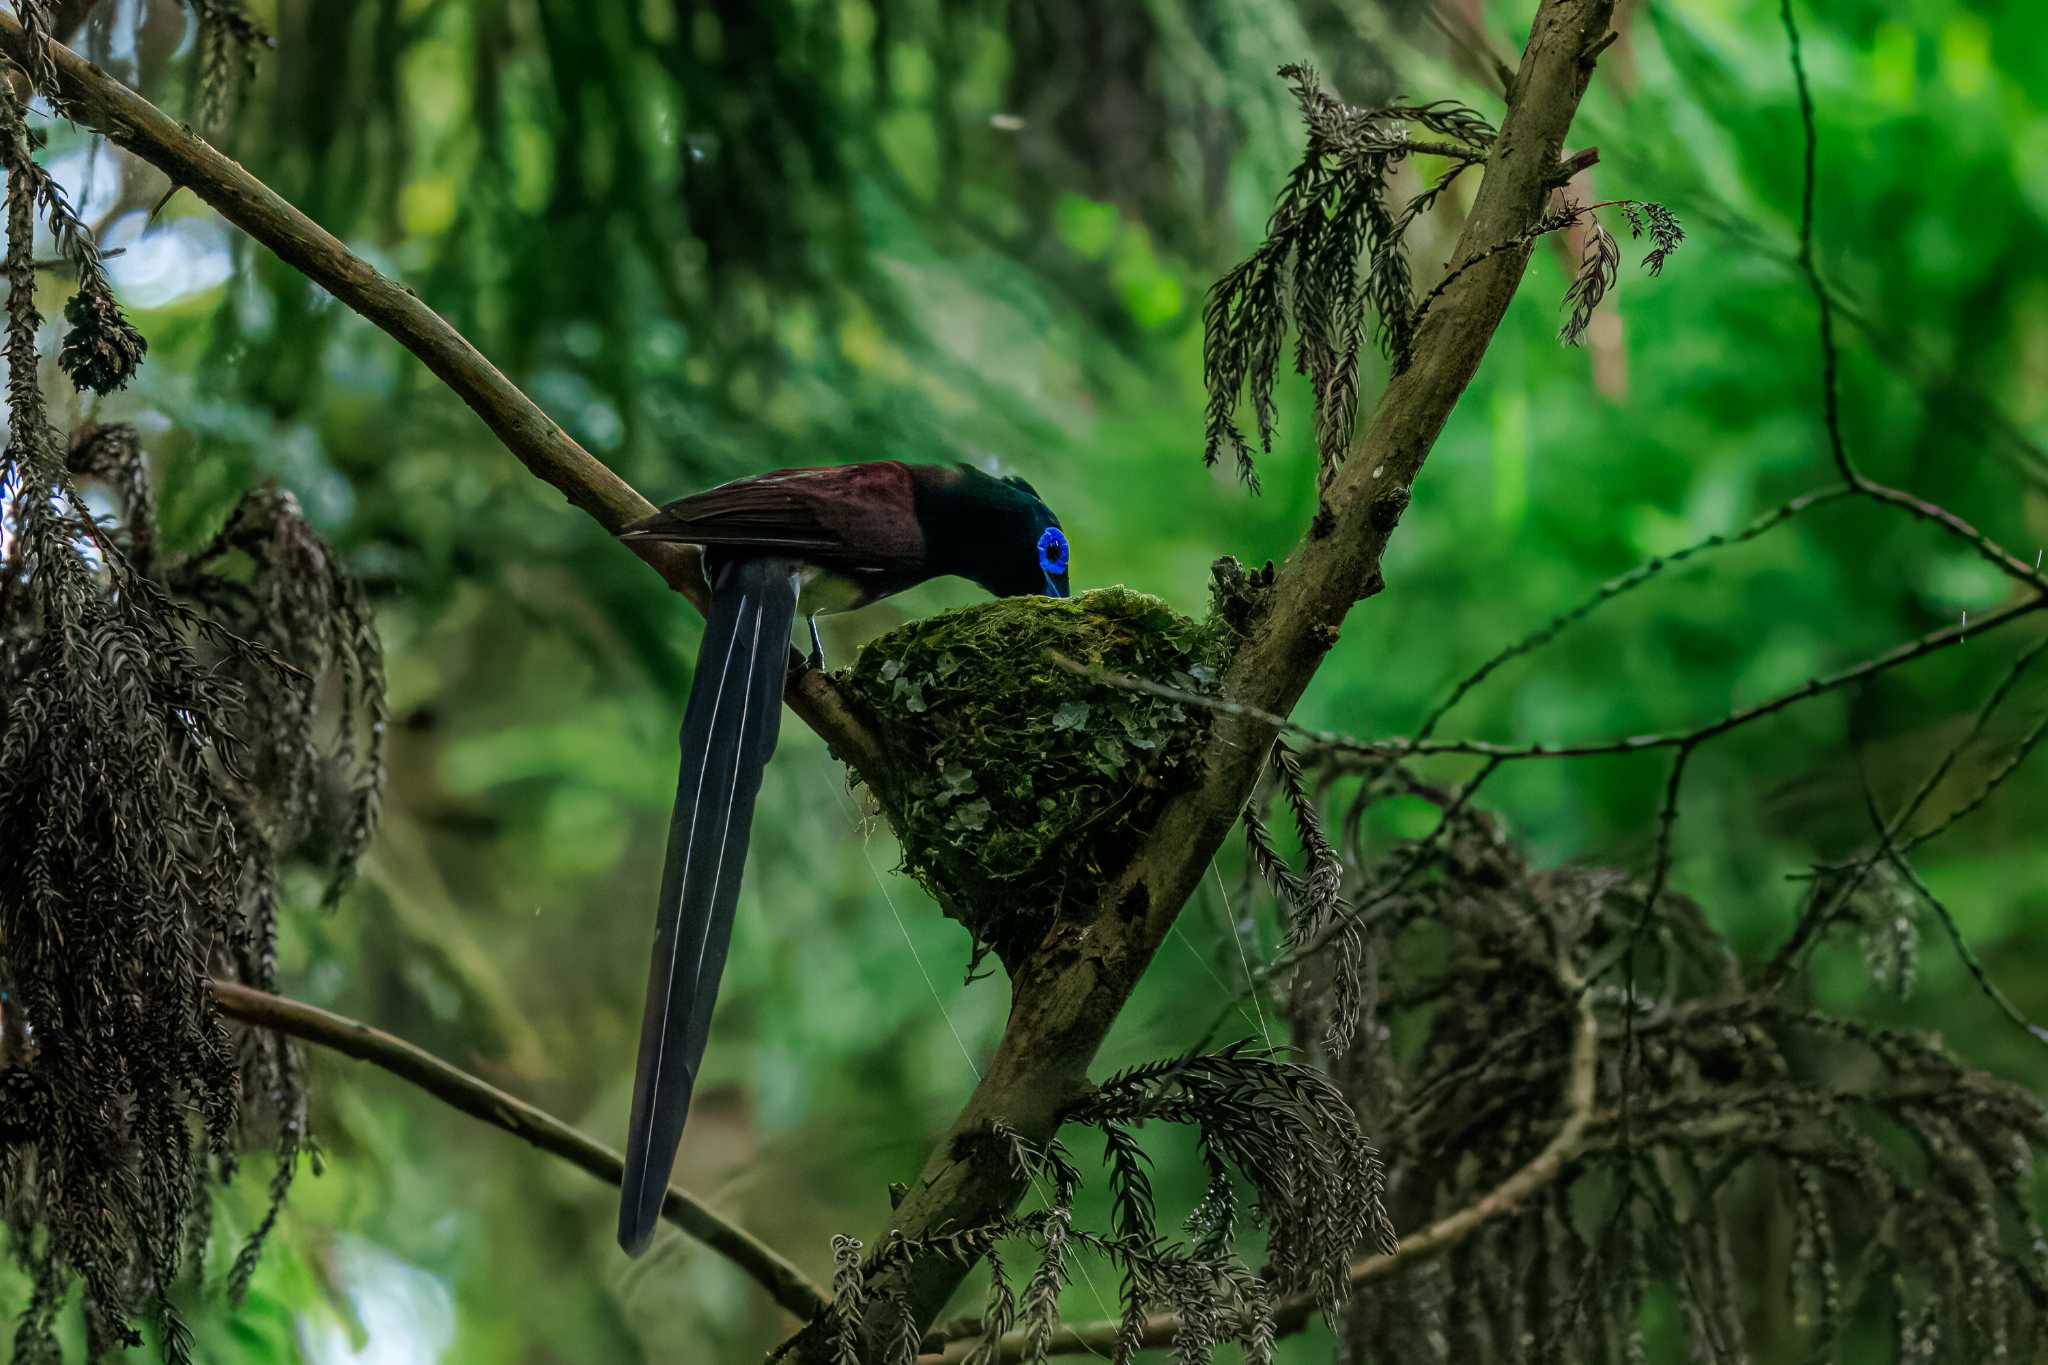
<point x="1017" y="783"/>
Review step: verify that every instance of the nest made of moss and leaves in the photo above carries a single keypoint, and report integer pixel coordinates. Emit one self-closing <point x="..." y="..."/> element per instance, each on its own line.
<point x="1019" y="781"/>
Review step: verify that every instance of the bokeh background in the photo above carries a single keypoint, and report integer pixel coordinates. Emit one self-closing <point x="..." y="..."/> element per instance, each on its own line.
<point x="718" y="238"/>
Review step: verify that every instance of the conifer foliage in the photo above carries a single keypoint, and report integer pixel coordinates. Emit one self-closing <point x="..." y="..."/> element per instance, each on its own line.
<point x="172" y="732"/>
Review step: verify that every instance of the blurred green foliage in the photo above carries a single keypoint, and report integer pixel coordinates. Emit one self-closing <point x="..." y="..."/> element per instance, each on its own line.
<point x="718" y="238"/>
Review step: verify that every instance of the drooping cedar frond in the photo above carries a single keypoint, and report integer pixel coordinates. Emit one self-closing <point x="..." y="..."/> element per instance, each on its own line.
<point x="270" y="578"/>
<point x="1289" y="1134"/>
<point x="1898" y="1177"/>
<point x="169" y="735"/>
<point x="1599" y="266"/>
<point x="102" y="349"/>
<point x="228" y="42"/>
<point x="1281" y="1128"/>
<point x="1333" y="253"/>
<point x="1320" y="912"/>
<point x="1600" y="262"/>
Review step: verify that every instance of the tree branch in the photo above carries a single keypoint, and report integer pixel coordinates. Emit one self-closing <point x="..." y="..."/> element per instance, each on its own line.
<point x="1396" y="747"/>
<point x="92" y="98"/>
<point x="480" y="1100"/>
<point x="1293" y="1314"/>
<point x="1068" y="992"/>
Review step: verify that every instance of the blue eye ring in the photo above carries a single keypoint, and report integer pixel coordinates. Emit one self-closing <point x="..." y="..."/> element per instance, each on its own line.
<point x="1052" y="550"/>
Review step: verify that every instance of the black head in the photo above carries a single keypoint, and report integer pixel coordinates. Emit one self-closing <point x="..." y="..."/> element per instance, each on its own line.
<point x="999" y="533"/>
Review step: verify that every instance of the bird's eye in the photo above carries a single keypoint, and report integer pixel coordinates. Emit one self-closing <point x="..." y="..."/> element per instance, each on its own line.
<point x="1052" y="550"/>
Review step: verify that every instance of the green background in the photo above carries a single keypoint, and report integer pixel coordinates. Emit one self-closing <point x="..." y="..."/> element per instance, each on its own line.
<point x="718" y="239"/>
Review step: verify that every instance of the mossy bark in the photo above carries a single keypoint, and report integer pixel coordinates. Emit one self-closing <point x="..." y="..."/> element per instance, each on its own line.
<point x="1068" y="990"/>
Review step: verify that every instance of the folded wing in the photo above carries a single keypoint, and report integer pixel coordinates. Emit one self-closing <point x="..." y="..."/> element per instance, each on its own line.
<point x="848" y="517"/>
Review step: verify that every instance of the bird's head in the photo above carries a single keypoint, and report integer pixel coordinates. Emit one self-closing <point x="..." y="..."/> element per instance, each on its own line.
<point x="1013" y="545"/>
<point x="1049" y="547"/>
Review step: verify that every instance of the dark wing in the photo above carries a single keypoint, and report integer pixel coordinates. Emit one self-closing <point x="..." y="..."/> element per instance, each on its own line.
<point x="849" y="516"/>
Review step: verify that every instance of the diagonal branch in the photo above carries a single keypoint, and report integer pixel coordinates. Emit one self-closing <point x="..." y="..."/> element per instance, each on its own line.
<point x="1067" y="994"/>
<point x="96" y="100"/>
<point x="93" y="99"/>
<point x="481" y="1100"/>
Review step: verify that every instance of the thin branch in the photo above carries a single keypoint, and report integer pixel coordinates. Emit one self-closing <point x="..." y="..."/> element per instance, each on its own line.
<point x="1944" y="391"/>
<point x="1888" y="850"/>
<point x="1978" y="725"/>
<point x="1989" y="550"/>
<point x="1831" y="397"/>
<point x="1823" y="907"/>
<point x="1452" y="151"/>
<point x="92" y="98"/>
<point x="1948" y="522"/>
<point x="1830" y="352"/>
<point x="1821" y="913"/>
<point x="457" y="1088"/>
<point x="1961" y="944"/>
<point x="1632" y="744"/>
<point x="2019" y="755"/>
<point x="1623" y="583"/>
<point x="1064" y="1000"/>
<point x="1550" y="222"/>
<point x="1293" y="1314"/>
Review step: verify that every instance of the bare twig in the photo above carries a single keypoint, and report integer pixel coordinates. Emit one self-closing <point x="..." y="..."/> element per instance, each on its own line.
<point x="2019" y="755"/>
<point x="1822" y="910"/>
<point x="480" y="1100"/>
<point x="66" y="263"/>
<point x="1831" y="398"/>
<point x="1962" y="945"/>
<point x="1987" y="549"/>
<point x="1615" y="587"/>
<point x="1631" y="744"/>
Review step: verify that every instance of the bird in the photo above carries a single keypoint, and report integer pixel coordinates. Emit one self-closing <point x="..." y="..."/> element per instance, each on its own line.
<point x="818" y="539"/>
